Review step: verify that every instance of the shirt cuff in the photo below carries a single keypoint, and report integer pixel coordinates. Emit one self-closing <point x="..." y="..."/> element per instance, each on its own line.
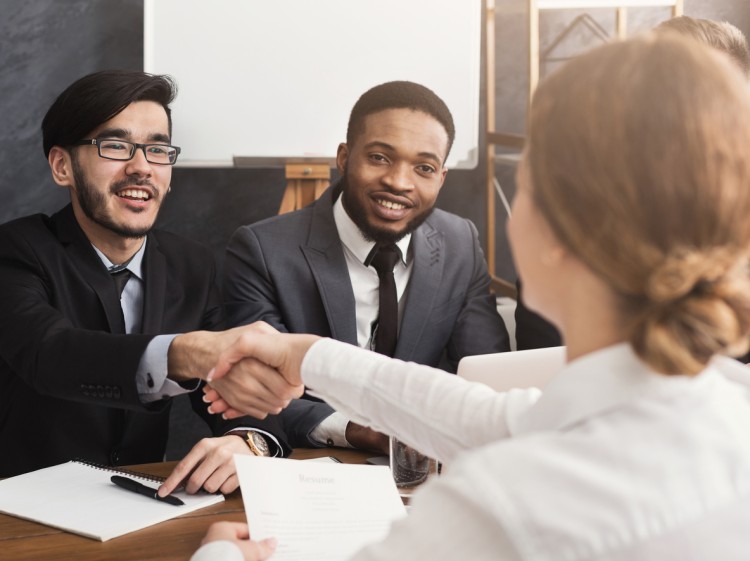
<point x="331" y="431"/>
<point x="151" y="377"/>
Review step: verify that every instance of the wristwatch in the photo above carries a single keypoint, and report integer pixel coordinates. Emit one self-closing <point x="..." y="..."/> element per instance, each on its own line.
<point x="254" y="440"/>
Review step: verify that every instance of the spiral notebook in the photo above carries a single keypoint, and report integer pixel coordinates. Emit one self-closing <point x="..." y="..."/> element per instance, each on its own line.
<point x="79" y="497"/>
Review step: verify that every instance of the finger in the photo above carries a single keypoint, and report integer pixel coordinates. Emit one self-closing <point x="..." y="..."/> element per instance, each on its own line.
<point x="241" y="348"/>
<point x="230" y="484"/>
<point x="234" y="414"/>
<point x="223" y="478"/>
<point x="226" y="531"/>
<point x="217" y="465"/>
<point x="218" y="407"/>
<point x="258" y="550"/>
<point x="248" y="387"/>
<point x="182" y="470"/>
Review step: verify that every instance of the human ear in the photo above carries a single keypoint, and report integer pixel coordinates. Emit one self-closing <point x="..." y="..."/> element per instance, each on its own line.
<point x="342" y="156"/>
<point x="61" y="166"/>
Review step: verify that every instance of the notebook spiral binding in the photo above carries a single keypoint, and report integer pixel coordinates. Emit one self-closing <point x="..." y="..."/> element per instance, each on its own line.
<point x="122" y="471"/>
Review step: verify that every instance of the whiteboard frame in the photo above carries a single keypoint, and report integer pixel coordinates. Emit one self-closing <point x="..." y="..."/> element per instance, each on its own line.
<point x="449" y="63"/>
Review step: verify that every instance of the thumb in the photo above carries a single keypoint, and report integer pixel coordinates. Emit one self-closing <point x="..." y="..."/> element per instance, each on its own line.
<point x="262" y="549"/>
<point x="247" y="345"/>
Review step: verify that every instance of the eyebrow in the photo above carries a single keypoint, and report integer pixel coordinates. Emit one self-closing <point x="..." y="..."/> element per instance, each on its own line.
<point x="380" y="144"/>
<point x="125" y="134"/>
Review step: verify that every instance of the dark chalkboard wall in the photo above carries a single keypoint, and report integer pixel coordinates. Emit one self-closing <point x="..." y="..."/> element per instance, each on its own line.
<point x="46" y="44"/>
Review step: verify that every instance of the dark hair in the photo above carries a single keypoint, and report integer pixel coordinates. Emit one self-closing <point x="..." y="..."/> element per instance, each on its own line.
<point x="721" y="35"/>
<point x="400" y="95"/>
<point x="96" y="98"/>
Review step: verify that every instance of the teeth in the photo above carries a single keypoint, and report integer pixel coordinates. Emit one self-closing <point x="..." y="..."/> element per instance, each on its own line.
<point x="134" y="194"/>
<point x="391" y="205"/>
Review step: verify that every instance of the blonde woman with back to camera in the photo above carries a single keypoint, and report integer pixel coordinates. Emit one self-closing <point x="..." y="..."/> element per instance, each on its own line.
<point x="630" y="230"/>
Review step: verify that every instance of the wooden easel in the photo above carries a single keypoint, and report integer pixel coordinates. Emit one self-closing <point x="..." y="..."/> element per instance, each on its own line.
<point x="305" y="182"/>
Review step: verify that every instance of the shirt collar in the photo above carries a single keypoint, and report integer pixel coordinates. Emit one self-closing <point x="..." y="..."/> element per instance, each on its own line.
<point x="599" y="382"/>
<point x="351" y="236"/>
<point x="135" y="265"/>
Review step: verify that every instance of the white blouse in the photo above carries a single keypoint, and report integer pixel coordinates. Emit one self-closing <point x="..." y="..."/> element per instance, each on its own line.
<point x="612" y="462"/>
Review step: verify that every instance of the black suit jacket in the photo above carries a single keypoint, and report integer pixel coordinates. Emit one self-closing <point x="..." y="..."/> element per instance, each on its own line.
<point x="67" y="371"/>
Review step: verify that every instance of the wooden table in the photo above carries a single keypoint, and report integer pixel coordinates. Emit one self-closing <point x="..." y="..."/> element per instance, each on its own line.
<point x="173" y="540"/>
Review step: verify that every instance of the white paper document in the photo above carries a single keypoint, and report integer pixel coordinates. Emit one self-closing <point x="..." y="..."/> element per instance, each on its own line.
<point x="317" y="511"/>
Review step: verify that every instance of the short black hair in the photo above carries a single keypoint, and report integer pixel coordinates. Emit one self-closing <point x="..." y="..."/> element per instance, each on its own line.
<point x="96" y="98"/>
<point x="400" y="95"/>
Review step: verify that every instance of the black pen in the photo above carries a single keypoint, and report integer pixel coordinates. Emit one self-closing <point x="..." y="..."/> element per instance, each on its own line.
<point x="144" y="490"/>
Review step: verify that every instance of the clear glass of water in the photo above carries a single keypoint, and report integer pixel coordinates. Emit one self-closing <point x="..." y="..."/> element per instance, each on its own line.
<point x="410" y="468"/>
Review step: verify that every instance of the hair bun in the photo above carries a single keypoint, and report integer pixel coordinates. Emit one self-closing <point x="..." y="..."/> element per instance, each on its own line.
<point x="685" y="271"/>
<point x="699" y="306"/>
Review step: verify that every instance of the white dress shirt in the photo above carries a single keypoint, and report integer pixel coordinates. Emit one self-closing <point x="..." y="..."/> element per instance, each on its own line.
<point x="151" y="376"/>
<point x="364" y="279"/>
<point x="613" y="462"/>
<point x="365" y="284"/>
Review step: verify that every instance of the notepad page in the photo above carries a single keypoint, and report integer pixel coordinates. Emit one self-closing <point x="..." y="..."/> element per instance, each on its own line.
<point x="80" y="498"/>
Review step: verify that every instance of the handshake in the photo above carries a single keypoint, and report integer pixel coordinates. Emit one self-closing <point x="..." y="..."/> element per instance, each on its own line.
<point x="257" y="373"/>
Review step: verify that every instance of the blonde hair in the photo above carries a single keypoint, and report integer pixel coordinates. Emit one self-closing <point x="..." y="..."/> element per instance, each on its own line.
<point x="721" y="35"/>
<point x="639" y="157"/>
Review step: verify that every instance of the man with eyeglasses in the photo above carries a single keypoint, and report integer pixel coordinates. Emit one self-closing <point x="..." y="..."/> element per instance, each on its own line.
<point x="103" y="318"/>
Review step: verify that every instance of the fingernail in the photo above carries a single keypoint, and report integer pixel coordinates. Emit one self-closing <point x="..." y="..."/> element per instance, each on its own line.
<point x="210" y="375"/>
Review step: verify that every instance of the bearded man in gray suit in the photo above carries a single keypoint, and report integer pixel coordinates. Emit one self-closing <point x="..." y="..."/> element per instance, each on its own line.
<point x="311" y="271"/>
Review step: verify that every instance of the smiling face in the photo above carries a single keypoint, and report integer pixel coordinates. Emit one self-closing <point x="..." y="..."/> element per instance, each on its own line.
<point x="115" y="200"/>
<point x="392" y="172"/>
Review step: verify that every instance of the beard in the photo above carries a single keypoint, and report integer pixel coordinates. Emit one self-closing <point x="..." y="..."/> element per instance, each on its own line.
<point x="93" y="203"/>
<point x="356" y="210"/>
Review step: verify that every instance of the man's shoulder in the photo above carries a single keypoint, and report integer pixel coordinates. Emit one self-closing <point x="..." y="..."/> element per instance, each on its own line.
<point x="444" y="221"/>
<point x="26" y="223"/>
<point x="176" y="245"/>
<point x="280" y="227"/>
<point x="34" y="229"/>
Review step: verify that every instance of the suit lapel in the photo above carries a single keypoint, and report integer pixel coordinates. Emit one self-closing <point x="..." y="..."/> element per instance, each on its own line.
<point x="155" y="281"/>
<point x="326" y="260"/>
<point x="90" y="267"/>
<point x="426" y="277"/>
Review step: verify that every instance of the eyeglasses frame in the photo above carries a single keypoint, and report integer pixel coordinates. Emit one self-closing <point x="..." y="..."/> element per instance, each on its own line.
<point x="138" y="146"/>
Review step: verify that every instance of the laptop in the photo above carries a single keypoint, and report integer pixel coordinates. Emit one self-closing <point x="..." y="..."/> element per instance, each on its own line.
<point x="516" y="369"/>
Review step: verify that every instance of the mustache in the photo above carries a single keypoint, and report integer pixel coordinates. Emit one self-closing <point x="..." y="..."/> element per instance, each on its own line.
<point x="132" y="182"/>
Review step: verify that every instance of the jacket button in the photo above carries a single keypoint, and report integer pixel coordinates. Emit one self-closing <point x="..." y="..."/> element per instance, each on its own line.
<point x="108" y="391"/>
<point x="85" y="390"/>
<point x="100" y="390"/>
<point x="114" y="457"/>
<point x="116" y="392"/>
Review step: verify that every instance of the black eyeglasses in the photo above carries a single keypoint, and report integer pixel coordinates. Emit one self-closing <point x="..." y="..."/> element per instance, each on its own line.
<point x="162" y="154"/>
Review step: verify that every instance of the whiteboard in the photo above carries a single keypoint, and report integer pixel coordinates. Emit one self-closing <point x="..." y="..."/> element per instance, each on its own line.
<point x="276" y="79"/>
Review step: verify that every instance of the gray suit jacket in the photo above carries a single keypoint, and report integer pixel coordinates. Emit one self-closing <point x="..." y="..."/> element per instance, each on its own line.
<point x="290" y="271"/>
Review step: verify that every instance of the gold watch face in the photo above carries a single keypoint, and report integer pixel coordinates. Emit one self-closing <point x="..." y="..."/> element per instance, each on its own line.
<point x="258" y="444"/>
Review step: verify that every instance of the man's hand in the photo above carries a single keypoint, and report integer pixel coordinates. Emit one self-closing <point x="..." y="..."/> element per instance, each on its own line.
<point x="209" y="465"/>
<point x="192" y="355"/>
<point x="365" y="438"/>
<point x="239" y="534"/>
<point x="254" y="389"/>
<point x="264" y="365"/>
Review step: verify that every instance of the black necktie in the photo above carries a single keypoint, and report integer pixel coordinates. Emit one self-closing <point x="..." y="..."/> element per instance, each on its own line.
<point x="385" y="337"/>
<point x="121" y="278"/>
